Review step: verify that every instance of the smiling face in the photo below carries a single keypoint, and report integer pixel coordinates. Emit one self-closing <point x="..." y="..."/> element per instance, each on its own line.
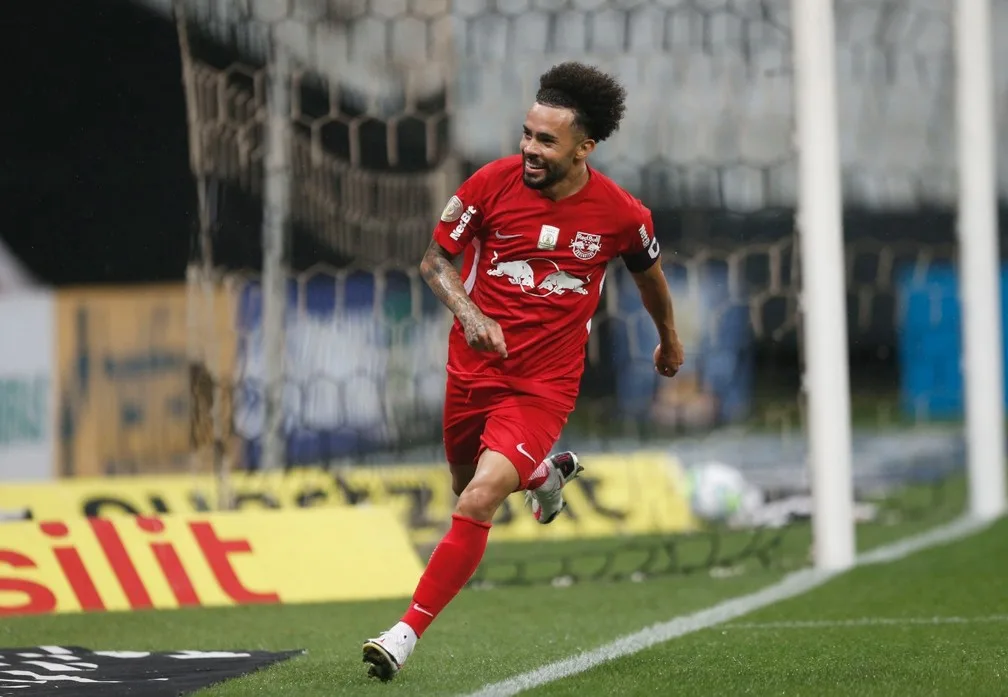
<point x="553" y="148"/>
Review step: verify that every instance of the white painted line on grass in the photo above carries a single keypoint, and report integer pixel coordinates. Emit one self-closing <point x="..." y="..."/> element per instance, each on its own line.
<point x="866" y="622"/>
<point x="789" y="587"/>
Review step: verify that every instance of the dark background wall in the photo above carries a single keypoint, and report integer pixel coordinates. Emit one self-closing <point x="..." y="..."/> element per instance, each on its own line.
<point x="94" y="168"/>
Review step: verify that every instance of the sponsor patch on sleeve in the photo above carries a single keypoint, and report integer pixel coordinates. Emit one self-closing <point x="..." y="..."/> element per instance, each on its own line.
<point x="452" y="210"/>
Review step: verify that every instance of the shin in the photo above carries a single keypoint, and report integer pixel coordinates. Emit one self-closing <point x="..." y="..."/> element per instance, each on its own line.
<point x="460" y="551"/>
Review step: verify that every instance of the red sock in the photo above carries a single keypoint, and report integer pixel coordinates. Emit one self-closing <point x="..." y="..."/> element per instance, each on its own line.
<point x="451" y="565"/>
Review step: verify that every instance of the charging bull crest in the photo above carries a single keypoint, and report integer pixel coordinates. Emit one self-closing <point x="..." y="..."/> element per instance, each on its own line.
<point x="540" y="277"/>
<point x="585" y="245"/>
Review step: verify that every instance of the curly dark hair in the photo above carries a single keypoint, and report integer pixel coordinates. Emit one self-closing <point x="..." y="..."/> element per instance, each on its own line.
<point x="597" y="99"/>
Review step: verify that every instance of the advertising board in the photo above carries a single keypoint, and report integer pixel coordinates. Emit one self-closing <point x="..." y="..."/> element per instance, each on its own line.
<point x="124" y="380"/>
<point x="75" y="564"/>
<point x="27" y="397"/>
<point x="633" y="493"/>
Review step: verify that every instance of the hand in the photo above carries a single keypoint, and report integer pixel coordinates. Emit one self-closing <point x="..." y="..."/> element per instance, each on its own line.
<point x="484" y="334"/>
<point x="669" y="357"/>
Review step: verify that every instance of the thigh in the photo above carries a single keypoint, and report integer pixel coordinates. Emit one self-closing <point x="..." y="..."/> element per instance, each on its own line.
<point x="524" y="429"/>
<point x="463" y="423"/>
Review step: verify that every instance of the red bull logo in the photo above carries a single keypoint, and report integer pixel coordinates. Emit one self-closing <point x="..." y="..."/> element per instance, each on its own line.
<point x="586" y="245"/>
<point x="541" y="277"/>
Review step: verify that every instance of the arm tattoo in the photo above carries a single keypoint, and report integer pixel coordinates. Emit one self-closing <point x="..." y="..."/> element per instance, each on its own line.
<point x="440" y="274"/>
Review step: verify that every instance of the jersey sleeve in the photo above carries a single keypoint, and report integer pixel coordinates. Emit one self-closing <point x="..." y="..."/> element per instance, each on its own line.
<point x="640" y="248"/>
<point x="462" y="217"/>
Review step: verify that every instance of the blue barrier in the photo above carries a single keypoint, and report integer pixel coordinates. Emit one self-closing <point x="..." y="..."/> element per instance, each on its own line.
<point x="929" y="335"/>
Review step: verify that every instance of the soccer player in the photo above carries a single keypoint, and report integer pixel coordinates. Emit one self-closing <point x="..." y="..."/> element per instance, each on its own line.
<point x="537" y="231"/>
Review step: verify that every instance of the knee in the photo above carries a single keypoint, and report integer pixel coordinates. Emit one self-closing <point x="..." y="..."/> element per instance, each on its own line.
<point x="495" y="478"/>
<point x="479" y="501"/>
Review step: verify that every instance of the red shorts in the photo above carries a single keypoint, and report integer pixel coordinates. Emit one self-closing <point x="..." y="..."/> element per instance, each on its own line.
<point x="522" y="427"/>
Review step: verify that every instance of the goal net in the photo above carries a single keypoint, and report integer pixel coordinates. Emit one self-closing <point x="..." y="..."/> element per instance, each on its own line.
<point x="337" y="130"/>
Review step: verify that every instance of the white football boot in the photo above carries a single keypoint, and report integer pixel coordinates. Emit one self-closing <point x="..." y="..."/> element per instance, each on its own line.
<point x="387" y="653"/>
<point x="547" y="501"/>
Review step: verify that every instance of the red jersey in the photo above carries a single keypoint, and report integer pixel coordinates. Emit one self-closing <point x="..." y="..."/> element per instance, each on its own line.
<point x="537" y="267"/>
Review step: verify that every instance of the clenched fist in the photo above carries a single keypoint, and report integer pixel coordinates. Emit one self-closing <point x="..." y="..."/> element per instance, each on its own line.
<point x="669" y="357"/>
<point x="484" y="334"/>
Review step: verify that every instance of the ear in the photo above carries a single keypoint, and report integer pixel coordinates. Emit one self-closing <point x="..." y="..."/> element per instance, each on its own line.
<point x="584" y="148"/>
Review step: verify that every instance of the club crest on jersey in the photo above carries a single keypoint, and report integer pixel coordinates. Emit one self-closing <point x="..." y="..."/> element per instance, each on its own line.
<point x="586" y="245"/>
<point x="452" y="210"/>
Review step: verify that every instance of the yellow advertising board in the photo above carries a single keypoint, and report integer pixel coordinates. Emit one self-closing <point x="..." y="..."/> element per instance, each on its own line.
<point x="123" y="376"/>
<point x="74" y="564"/>
<point x="635" y="493"/>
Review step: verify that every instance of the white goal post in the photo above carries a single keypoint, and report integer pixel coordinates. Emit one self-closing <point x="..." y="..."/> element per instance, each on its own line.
<point x="979" y="259"/>
<point x="824" y="316"/>
<point x="820" y="231"/>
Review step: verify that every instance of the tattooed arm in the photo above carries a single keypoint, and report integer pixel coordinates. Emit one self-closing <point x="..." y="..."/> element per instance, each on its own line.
<point x="438" y="271"/>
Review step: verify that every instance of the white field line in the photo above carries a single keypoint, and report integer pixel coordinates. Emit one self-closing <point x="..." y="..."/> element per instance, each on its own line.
<point x="789" y="587"/>
<point x="866" y="622"/>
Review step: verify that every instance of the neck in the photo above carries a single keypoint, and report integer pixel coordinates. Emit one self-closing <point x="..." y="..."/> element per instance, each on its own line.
<point x="575" y="180"/>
